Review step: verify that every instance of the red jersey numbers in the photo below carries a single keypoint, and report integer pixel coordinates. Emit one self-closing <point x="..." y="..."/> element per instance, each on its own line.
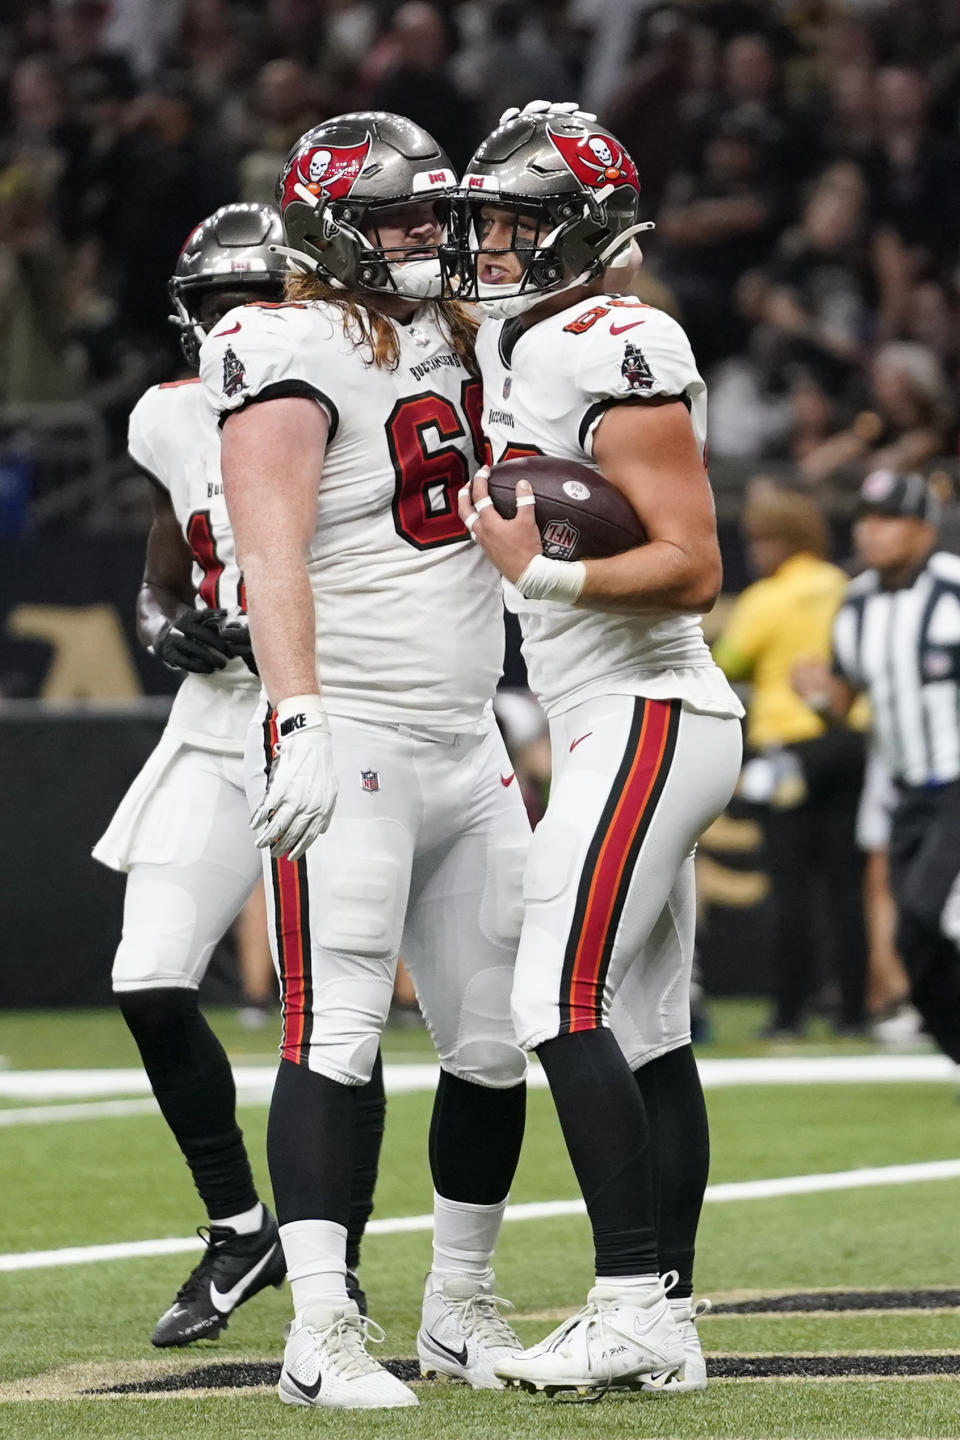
<point x="430" y="467"/>
<point x="201" y="540"/>
<point x="589" y="318"/>
<point x="519" y="452"/>
<point x="584" y="321"/>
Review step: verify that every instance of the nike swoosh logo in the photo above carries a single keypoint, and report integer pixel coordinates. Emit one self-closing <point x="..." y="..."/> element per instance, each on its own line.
<point x="311" y="1391"/>
<point x="459" y="1355"/>
<point x="614" y="329"/>
<point x="231" y="1299"/>
<point x="506" y="780"/>
<point x="579" y="741"/>
<point x="660" y="1377"/>
<point x="234" y="328"/>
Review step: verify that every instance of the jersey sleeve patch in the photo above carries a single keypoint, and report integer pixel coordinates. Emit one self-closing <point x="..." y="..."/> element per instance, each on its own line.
<point x="630" y="354"/>
<point x="263" y="353"/>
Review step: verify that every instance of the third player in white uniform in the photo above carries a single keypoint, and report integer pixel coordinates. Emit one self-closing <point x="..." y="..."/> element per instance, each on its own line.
<point x="181" y="833"/>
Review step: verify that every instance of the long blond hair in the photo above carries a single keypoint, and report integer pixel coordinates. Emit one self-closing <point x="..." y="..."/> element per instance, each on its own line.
<point x="369" y="329"/>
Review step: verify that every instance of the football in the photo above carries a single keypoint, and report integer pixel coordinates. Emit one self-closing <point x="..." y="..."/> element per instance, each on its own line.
<point x="579" y="514"/>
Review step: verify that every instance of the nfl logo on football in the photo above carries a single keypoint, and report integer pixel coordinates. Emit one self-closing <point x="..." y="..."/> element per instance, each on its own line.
<point x="560" y="540"/>
<point x="370" y="779"/>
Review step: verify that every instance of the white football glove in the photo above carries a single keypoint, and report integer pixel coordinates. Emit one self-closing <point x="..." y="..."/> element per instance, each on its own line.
<point x="549" y="107"/>
<point x="302" y="786"/>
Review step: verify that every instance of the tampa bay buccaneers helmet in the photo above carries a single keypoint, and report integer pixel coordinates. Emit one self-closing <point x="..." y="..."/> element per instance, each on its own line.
<point x="230" y="252"/>
<point x="573" y="177"/>
<point x="339" y="177"/>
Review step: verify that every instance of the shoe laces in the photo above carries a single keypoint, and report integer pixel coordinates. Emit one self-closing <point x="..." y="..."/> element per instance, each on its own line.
<point x="479" y="1316"/>
<point x="595" y="1314"/>
<point x="344" y="1344"/>
<point x="200" y="1274"/>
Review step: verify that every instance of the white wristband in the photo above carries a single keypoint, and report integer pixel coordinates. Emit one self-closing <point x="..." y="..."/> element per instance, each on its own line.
<point x="298" y="712"/>
<point x="545" y="579"/>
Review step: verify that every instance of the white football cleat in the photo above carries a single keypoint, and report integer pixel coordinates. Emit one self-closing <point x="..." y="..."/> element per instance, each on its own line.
<point x="326" y="1364"/>
<point x="693" y="1375"/>
<point x="462" y="1333"/>
<point x="617" y="1341"/>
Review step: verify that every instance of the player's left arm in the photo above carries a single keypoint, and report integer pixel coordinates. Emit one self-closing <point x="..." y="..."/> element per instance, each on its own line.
<point x="168" y="623"/>
<point x="167" y="587"/>
<point x="650" y="453"/>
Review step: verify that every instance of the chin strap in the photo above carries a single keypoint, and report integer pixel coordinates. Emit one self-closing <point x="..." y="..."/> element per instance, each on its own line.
<point x="617" y="245"/>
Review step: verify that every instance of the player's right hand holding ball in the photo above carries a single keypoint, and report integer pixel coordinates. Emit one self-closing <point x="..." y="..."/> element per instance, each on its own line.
<point x="301" y="791"/>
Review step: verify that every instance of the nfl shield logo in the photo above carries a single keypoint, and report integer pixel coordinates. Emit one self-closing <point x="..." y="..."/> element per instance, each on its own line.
<point x="370" y="779"/>
<point x="507" y="385"/>
<point x="560" y="540"/>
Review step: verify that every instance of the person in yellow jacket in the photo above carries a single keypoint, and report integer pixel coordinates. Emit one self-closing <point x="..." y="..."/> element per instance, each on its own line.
<point x="804" y="776"/>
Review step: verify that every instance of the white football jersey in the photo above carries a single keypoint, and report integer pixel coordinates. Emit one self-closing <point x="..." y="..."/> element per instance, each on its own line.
<point x="174" y="437"/>
<point x="545" y="390"/>
<point x="408" y="617"/>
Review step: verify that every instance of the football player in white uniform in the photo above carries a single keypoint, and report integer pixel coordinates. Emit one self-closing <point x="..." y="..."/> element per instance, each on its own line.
<point x="181" y="833"/>
<point x="350" y="423"/>
<point x="645" y="730"/>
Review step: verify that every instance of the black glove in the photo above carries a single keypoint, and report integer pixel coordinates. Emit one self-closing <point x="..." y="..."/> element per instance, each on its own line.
<point x="237" y="635"/>
<point x="195" y="641"/>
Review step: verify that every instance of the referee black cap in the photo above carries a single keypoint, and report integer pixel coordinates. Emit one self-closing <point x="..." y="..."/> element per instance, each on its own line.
<point x="886" y="492"/>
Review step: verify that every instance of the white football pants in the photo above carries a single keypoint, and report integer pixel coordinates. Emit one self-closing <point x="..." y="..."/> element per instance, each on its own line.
<point x="424" y="857"/>
<point x="609" y="921"/>
<point x="191" y="864"/>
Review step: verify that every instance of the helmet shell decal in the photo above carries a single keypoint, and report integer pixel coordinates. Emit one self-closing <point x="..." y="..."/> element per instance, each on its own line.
<point x="596" y="159"/>
<point x="330" y="170"/>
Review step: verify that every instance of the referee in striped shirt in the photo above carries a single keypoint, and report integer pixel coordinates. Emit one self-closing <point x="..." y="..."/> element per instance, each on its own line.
<point x="897" y="637"/>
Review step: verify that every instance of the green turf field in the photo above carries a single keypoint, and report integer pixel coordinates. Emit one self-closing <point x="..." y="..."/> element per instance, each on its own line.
<point x="70" y="1329"/>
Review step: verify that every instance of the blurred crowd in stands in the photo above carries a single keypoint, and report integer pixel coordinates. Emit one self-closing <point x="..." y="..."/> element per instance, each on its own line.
<point x="800" y="158"/>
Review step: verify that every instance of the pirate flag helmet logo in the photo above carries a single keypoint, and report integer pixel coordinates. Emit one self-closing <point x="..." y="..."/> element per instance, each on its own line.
<point x="596" y="159"/>
<point x="324" y="170"/>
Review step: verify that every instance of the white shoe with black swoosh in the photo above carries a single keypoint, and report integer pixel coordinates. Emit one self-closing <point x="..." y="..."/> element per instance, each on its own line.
<point x="693" y="1376"/>
<point x="462" y="1334"/>
<point x="234" y="1268"/>
<point x="618" y="1341"/>
<point x="326" y="1363"/>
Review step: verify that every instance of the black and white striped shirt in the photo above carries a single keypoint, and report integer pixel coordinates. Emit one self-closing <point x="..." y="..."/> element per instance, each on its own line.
<point x="903" y="648"/>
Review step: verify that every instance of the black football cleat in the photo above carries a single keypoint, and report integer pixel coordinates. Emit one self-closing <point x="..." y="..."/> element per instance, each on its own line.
<point x="234" y="1268"/>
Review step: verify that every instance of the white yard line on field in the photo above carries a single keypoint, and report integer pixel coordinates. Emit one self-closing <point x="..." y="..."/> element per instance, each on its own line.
<point x="538" y="1210"/>
<point x="254" y="1082"/>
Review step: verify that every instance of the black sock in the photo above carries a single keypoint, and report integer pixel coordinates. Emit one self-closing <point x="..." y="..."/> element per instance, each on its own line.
<point x="680" y="1149"/>
<point x="371" y="1112"/>
<point x="310" y="1145"/>
<point x="192" y="1080"/>
<point x="604" y="1123"/>
<point x="475" y="1138"/>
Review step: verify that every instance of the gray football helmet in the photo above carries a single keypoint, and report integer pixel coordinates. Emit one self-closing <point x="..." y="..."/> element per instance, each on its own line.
<point x="233" y="250"/>
<point x="336" y="179"/>
<point x="573" y="176"/>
